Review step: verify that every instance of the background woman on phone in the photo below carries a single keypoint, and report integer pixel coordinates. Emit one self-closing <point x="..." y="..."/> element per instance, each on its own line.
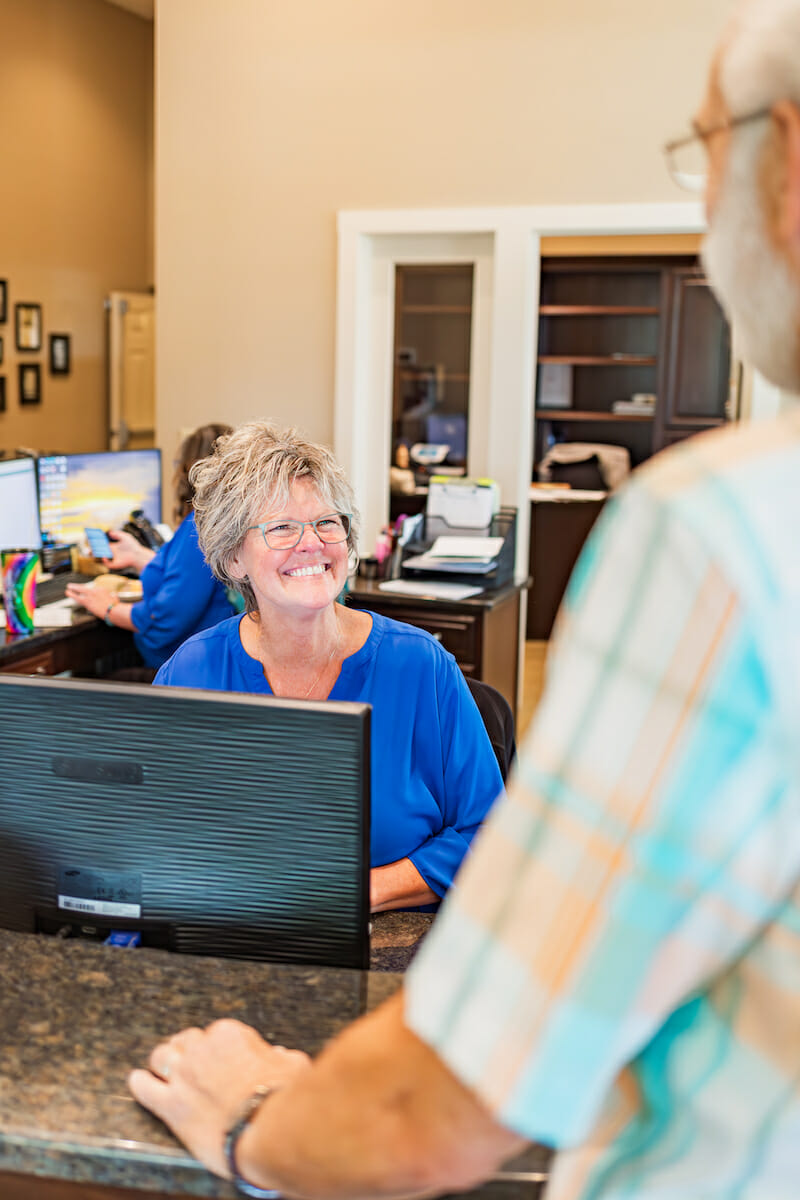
<point x="180" y="596"/>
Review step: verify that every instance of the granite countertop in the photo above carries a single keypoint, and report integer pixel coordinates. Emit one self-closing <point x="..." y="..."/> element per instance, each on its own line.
<point x="75" y="1016"/>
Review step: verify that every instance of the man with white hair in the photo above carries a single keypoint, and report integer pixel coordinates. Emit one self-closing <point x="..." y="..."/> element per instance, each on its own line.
<point x="617" y="971"/>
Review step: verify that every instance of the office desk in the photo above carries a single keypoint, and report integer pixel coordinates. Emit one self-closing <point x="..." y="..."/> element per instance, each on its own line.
<point x="86" y="647"/>
<point x="75" y="1016"/>
<point x="482" y="633"/>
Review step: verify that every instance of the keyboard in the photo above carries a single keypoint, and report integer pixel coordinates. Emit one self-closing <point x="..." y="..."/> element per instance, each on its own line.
<point x="48" y="590"/>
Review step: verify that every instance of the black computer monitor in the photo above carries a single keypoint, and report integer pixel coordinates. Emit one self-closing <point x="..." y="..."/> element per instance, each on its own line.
<point x="211" y="823"/>
<point x="76" y="490"/>
<point x="19" y="509"/>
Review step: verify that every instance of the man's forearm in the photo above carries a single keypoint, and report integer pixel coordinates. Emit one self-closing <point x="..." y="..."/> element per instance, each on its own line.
<point x="378" y="1115"/>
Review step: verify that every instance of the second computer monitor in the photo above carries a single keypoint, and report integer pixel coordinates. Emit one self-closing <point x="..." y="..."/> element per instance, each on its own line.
<point x="19" y="514"/>
<point x="76" y="490"/>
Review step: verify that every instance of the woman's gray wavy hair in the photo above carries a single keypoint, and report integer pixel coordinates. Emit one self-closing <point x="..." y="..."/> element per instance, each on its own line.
<point x="250" y="472"/>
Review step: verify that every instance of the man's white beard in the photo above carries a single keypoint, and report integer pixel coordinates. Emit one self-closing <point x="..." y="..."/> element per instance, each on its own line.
<point x="752" y="281"/>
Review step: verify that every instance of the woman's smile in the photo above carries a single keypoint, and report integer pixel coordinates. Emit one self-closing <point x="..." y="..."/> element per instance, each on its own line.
<point x="316" y="569"/>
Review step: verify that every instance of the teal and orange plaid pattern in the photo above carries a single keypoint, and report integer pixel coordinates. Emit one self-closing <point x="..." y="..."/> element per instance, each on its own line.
<point x="617" y="970"/>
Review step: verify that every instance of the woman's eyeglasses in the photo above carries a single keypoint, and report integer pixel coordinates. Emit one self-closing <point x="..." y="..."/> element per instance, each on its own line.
<point x="283" y="535"/>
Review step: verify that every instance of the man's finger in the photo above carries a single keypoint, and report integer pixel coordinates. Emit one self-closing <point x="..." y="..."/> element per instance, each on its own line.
<point x="150" y="1091"/>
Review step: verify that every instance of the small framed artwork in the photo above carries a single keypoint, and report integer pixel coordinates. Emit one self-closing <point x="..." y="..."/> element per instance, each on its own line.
<point x="28" y="323"/>
<point x="3" y="301"/>
<point x="2" y="393"/>
<point x="30" y="383"/>
<point x="1" y="349"/>
<point x="59" y="353"/>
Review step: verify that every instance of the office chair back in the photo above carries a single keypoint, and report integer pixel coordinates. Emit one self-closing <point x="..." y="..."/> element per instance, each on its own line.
<point x="499" y="721"/>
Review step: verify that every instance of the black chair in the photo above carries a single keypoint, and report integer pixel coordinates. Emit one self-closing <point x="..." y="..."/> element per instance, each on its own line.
<point x="499" y="721"/>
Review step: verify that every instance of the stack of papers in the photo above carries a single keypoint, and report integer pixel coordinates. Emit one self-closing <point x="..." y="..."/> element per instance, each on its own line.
<point x="473" y="555"/>
<point x="49" y="616"/>
<point x="434" y="589"/>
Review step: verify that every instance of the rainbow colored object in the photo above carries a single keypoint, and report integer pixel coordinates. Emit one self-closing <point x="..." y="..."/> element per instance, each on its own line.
<point x="19" y="588"/>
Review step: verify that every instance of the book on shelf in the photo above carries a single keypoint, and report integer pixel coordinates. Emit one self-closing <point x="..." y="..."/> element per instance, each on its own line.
<point x="635" y="407"/>
<point x="554" y="385"/>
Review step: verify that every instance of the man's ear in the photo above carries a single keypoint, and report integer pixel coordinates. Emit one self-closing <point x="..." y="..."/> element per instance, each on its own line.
<point x="787" y="116"/>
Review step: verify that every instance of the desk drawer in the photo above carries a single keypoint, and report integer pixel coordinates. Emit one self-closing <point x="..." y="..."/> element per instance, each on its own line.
<point x="34" y="664"/>
<point x="457" y="633"/>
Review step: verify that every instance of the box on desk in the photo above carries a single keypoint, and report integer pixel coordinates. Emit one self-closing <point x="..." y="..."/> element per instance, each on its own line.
<point x="499" y="572"/>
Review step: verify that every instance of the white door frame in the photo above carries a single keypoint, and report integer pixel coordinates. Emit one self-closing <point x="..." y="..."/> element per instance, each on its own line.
<point x="504" y="242"/>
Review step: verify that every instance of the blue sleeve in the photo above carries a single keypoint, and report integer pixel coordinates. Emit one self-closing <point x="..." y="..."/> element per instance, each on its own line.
<point x="471" y="778"/>
<point x="177" y="588"/>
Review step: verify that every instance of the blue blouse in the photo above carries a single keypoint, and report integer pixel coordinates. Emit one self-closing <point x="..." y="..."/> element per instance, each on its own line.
<point x="434" y="773"/>
<point x="180" y="596"/>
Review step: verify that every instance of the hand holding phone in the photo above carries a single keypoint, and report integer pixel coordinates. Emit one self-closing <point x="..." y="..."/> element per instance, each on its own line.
<point x="99" y="545"/>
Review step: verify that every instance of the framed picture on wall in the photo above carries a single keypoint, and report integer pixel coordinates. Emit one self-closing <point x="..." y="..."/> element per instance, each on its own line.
<point x="3" y="301"/>
<point x="30" y="383"/>
<point x="59" y="353"/>
<point x="1" y="349"/>
<point x="28" y="324"/>
<point x="2" y="393"/>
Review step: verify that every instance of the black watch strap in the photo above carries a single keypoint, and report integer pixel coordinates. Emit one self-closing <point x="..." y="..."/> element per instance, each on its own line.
<point x="243" y="1119"/>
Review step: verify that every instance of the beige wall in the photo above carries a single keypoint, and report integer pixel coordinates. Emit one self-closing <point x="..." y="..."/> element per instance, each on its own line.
<point x="76" y="85"/>
<point x="272" y="116"/>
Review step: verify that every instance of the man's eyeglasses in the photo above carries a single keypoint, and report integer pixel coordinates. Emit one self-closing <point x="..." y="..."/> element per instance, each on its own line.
<point x="283" y="535"/>
<point x="687" y="161"/>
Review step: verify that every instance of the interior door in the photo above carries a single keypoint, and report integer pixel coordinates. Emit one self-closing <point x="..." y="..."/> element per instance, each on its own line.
<point x="131" y="366"/>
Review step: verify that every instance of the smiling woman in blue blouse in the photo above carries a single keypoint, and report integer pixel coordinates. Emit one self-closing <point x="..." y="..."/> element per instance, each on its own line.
<point x="276" y="519"/>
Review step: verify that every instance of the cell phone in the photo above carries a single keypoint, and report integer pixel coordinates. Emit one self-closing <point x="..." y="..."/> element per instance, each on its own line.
<point x="99" y="544"/>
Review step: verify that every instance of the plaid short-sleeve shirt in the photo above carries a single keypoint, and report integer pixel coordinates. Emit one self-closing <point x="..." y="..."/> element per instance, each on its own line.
<point x="617" y="971"/>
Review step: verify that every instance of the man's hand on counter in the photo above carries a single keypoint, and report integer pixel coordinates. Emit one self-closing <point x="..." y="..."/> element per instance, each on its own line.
<point x="200" y="1078"/>
<point x="378" y="1113"/>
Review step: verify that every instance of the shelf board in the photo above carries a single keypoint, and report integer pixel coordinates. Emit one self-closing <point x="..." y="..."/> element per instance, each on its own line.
<point x="452" y="376"/>
<point x="597" y="310"/>
<point x="601" y="360"/>
<point x="433" y="309"/>
<point x="570" y="414"/>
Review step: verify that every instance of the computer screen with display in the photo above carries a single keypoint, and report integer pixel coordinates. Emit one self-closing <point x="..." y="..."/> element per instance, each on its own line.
<point x="19" y="509"/>
<point x="208" y="822"/>
<point x="76" y="490"/>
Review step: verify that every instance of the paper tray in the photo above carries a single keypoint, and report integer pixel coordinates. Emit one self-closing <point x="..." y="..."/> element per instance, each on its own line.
<point x="503" y="524"/>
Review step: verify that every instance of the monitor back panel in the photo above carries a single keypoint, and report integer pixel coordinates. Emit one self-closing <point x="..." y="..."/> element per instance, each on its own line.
<point x="214" y="823"/>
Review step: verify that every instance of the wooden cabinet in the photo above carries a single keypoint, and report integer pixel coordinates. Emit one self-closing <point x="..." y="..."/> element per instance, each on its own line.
<point x="696" y="386"/>
<point x="557" y="532"/>
<point x="86" y="648"/>
<point x="611" y="330"/>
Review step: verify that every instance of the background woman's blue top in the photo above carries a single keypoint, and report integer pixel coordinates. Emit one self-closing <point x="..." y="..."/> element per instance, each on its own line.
<point x="180" y="596"/>
<point x="434" y="773"/>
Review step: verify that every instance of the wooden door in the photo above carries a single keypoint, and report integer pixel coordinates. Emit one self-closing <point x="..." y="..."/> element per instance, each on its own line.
<point x="132" y="416"/>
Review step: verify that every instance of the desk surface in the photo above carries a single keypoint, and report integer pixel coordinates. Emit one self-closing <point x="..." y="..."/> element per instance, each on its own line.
<point x="76" y="1016"/>
<point x="75" y="647"/>
<point x="365" y="590"/>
